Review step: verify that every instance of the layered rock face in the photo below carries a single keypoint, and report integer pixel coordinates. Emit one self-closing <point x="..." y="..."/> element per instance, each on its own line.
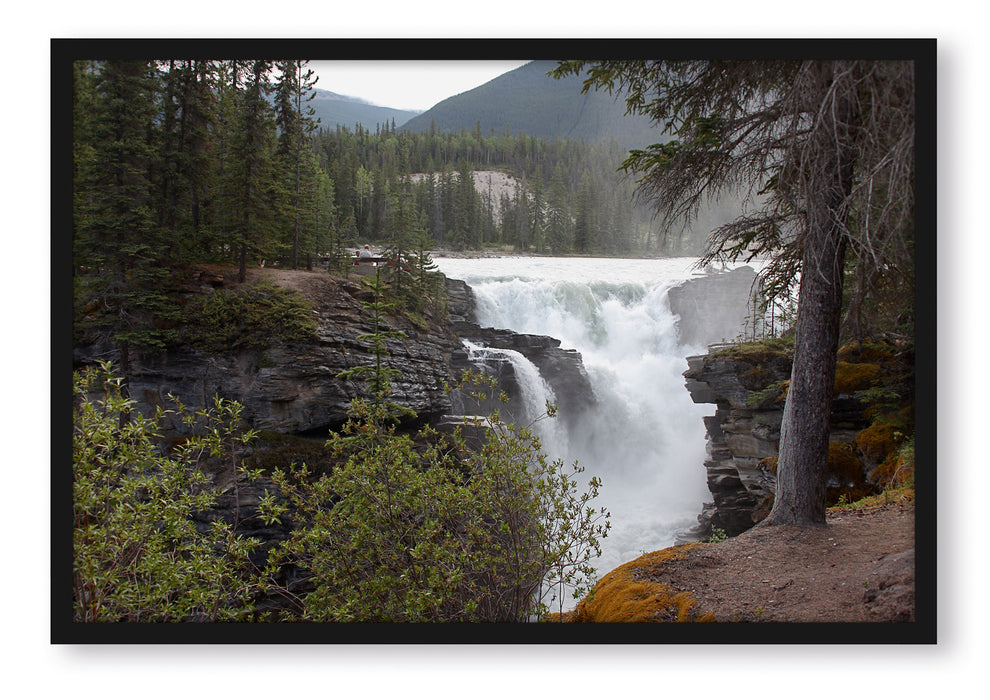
<point x="296" y="388"/>
<point x="743" y="436"/>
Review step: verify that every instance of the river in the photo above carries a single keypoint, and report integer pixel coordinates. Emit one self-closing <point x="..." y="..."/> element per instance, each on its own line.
<point x="646" y="441"/>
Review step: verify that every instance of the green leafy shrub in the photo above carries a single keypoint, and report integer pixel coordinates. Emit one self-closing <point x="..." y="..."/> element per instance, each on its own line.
<point x="138" y="555"/>
<point x="426" y="530"/>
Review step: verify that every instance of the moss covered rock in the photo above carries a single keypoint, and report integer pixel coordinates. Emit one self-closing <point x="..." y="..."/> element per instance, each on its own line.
<point x="630" y="593"/>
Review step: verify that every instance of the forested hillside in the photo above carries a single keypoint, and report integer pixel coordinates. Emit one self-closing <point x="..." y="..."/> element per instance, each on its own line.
<point x="571" y="198"/>
<point x="185" y="162"/>
<point x="528" y="101"/>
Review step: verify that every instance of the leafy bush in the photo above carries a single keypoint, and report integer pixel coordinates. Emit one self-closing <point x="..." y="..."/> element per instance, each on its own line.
<point x="426" y="530"/>
<point x="138" y="555"/>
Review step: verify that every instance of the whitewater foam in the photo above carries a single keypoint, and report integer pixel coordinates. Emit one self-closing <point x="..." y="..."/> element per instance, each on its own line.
<point x="646" y="439"/>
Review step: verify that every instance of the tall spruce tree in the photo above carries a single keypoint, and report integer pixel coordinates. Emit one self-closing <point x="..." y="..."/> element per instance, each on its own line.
<point x="830" y="147"/>
<point x="293" y="92"/>
<point x="253" y="192"/>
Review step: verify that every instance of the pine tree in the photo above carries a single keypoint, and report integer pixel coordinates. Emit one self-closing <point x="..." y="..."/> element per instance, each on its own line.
<point x="295" y="121"/>
<point x="402" y="232"/>
<point x="252" y="190"/>
<point x="558" y="217"/>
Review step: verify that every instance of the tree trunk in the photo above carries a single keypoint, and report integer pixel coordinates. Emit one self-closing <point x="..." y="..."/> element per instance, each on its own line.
<point x="242" y="264"/>
<point x="804" y="434"/>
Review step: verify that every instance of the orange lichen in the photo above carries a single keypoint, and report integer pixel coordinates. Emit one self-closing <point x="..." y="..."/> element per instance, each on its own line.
<point x="895" y="471"/>
<point x="846" y="468"/>
<point x="843" y="462"/>
<point x="877" y="352"/>
<point x="630" y="594"/>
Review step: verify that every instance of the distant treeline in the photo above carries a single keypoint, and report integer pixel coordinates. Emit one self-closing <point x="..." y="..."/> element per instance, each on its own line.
<point x="569" y="197"/>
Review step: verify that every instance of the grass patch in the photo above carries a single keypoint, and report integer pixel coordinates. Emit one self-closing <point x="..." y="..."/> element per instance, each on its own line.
<point x="248" y="317"/>
<point x="901" y="494"/>
<point x="757" y="351"/>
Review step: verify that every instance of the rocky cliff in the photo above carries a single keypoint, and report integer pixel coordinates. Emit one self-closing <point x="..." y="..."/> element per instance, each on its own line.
<point x="747" y="385"/>
<point x="295" y="387"/>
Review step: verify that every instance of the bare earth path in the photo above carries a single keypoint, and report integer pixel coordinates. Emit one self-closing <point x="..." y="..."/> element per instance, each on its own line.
<point x="860" y="568"/>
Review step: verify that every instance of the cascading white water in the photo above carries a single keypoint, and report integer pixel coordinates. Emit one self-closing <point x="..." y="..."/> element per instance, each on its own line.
<point x="646" y="439"/>
<point x="535" y="391"/>
<point x="536" y="394"/>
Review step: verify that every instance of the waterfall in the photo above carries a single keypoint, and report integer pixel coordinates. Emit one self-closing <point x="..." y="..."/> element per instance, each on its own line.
<point x="645" y="439"/>
<point x="535" y="393"/>
<point x="534" y="389"/>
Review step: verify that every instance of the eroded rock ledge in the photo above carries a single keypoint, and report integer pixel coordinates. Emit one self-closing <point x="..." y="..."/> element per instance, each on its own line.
<point x="296" y="388"/>
<point x="748" y="390"/>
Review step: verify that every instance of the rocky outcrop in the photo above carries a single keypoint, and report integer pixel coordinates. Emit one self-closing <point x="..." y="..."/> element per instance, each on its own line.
<point x="742" y="434"/>
<point x="296" y="387"/>
<point x="748" y="388"/>
<point x="713" y="307"/>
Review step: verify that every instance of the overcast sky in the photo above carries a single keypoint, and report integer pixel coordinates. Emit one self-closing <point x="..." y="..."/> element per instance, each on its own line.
<point x="413" y="85"/>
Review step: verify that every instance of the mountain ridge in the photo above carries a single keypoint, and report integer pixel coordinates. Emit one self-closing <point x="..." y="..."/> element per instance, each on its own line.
<point x="333" y="109"/>
<point x="527" y="100"/>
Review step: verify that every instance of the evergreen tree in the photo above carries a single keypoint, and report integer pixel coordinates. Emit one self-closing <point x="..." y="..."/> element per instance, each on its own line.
<point x="585" y="228"/>
<point x="253" y="192"/>
<point x="558" y="219"/>
<point x="402" y="233"/>
<point x="537" y="214"/>
<point x="184" y="172"/>
<point x="829" y="145"/>
<point x="309" y="201"/>
<point x="119" y="250"/>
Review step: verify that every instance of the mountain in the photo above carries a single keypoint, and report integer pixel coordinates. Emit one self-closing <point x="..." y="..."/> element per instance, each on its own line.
<point x="333" y="109"/>
<point x="528" y="100"/>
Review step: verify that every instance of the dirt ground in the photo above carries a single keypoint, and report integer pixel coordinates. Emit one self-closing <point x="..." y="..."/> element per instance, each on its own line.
<point x="859" y="568"/>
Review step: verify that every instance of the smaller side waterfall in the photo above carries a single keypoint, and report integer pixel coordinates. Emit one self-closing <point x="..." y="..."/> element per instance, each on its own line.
<point x="535" y="394"/>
